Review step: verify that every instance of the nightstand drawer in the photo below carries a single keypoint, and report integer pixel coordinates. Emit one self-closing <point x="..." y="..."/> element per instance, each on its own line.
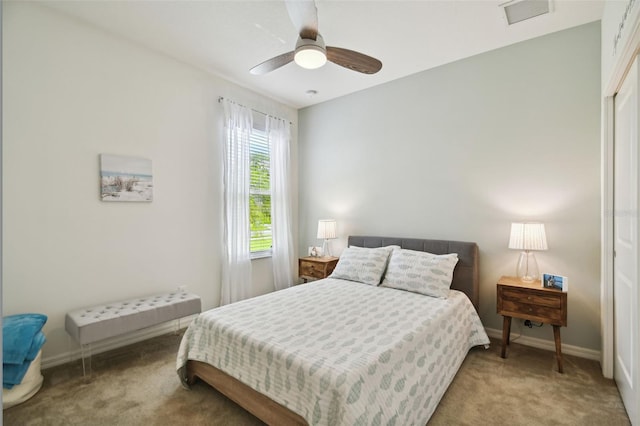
<point x="531" y="297"/>
<point x="312" y="270"/>
<point x="537" y="312"/>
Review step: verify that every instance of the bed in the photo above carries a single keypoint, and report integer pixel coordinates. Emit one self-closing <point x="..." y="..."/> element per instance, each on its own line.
<point x="339" y="351"/>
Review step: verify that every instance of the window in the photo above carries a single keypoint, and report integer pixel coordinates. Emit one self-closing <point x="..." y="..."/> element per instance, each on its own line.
<point x="260" y="194"/>
<point x="250" y="148"/>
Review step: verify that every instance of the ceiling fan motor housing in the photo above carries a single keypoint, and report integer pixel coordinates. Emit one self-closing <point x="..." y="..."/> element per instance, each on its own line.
<point x="310" y="53"/>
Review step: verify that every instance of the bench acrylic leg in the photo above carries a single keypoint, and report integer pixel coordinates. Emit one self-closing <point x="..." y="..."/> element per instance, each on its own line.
<point x="86" y="360"/>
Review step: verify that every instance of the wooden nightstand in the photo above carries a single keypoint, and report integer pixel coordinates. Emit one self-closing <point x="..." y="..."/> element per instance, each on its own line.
<point x="316" y="267"/>
<point x="533" y="302"/>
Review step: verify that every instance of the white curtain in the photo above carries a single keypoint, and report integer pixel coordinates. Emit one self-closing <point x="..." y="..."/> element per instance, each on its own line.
<point x="279" y="135"/>
<point x="236" y="267"/>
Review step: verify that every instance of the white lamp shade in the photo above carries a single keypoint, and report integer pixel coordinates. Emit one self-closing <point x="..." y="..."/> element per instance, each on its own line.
<point x="326" y="229"/>
<point x="528" y="236"/>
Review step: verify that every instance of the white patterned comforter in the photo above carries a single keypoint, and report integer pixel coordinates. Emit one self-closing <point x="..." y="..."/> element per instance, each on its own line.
<point x="339" y="352"/>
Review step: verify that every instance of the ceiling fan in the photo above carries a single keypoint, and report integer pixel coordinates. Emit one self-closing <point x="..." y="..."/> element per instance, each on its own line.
<point x="310" y="51"/>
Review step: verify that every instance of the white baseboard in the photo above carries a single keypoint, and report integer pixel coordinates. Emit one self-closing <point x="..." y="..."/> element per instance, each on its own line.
<point x="548" y="345"/>
<point x="117" y="342"/>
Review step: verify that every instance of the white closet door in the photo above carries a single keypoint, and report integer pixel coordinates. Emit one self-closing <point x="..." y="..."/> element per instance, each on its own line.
<point x="626" y="295"/>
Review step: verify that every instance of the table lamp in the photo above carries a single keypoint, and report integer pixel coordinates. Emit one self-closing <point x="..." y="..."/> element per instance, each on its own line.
<point x="326" y="232"/>
<point x="527" y="237"/>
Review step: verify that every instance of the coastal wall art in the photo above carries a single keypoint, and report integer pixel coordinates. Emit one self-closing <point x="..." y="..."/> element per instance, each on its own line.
<point x="125" y="178"/>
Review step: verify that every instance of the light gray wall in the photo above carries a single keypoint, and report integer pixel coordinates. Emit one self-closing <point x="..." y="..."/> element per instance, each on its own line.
<point x="461" y="151"/>
<point x="71" y="92"/>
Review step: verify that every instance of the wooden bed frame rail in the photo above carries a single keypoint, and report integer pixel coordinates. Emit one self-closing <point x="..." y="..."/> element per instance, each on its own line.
<point x="253" y="401"/>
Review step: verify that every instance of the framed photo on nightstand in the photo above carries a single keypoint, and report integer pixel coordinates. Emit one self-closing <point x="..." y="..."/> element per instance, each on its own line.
<point x="557" y="282"/>
<point x="315" y="251"/>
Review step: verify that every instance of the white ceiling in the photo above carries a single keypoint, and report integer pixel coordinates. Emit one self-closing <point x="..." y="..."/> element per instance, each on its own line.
<point x="227" y="38"/>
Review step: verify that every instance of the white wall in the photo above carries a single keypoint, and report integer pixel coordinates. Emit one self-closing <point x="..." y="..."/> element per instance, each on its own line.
<point x="71" y="92"/>
<point x="461" y="151"/>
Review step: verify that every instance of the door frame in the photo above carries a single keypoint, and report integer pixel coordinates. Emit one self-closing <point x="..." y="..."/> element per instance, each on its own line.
<point x="619" y="72"/>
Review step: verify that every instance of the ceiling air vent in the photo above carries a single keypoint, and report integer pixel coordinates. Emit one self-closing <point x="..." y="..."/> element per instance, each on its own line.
<point x="520" y="10"/>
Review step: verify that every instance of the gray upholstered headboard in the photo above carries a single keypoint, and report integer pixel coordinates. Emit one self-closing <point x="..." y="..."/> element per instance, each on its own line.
<point x="466" y="277"/>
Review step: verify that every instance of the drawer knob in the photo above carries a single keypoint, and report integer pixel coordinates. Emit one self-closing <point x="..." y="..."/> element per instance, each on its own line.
<point x="528" y="297"/>
<point x="530" y="309"/>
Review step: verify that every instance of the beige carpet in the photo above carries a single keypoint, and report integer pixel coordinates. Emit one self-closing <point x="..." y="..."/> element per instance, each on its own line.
<point x="137" y="385"/>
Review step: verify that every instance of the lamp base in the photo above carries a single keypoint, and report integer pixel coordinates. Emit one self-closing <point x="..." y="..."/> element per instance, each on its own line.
<point x="527" y="269"/>
<point x="326" y="252"/>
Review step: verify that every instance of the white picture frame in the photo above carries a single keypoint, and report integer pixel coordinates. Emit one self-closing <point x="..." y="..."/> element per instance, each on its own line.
<point x="555" y="281"/>
<point x="314" y="251"/>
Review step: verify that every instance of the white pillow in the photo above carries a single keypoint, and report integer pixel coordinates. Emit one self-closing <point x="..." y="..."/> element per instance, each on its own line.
<point x="421" y="272"/>
<point x="365" y="265"/>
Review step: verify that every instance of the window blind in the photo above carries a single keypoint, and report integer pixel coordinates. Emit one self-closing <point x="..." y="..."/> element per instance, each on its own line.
<point x="260" y="192"/>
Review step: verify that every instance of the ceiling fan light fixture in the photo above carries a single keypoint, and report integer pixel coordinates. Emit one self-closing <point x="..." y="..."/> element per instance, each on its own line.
<point x="311" y="52"/>
<point x="310" y="56"/>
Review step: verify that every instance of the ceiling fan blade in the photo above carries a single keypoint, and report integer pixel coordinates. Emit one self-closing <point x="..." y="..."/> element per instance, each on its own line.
<point x="272" y="64"/>
<point x="304" y="15"/>
<point x="353" y="60"/>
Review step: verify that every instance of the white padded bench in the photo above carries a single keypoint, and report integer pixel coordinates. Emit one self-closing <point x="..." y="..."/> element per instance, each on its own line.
<point x="88" y="325"/>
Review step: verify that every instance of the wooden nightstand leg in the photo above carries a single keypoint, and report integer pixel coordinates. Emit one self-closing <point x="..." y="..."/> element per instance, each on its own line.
<point x="506" y="333"/>
<point x="556" y="337"/>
